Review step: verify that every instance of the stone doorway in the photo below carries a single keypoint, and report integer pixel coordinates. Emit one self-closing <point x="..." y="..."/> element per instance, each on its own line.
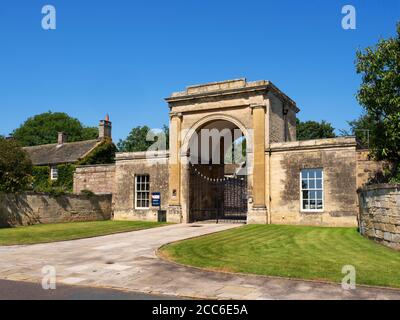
<point x="217" y="174"/>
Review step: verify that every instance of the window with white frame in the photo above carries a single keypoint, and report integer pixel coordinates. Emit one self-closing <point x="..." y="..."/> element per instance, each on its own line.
<point x="312" y="189"/>
<point x="142" y="183"/>
<point x="53" y="173"/>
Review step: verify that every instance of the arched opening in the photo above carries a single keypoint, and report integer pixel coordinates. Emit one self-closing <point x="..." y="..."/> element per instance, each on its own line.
<point x="218" y="172"/>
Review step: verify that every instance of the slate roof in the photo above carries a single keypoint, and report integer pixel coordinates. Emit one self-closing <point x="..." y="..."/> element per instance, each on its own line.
<point x="52" y="154"/>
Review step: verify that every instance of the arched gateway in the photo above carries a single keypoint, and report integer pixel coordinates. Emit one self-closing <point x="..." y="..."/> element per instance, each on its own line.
<point x="208" y="124"/>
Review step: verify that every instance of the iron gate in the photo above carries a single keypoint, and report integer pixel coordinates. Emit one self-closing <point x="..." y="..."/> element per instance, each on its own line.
<point x="216" y="197"/>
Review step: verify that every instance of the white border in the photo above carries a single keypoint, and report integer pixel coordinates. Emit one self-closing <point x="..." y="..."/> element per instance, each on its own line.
<point x="141" y="208"/>
<point x="323" y="192"/>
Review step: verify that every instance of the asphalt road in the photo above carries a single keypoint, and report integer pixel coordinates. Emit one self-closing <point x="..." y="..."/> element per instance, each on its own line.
<point x="17" y="290"/>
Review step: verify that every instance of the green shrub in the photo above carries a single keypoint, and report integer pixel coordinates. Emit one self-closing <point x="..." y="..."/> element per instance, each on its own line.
<point x="15" y="167"/>
<point x="103" y="154"/>
<point x="43" y="183"/>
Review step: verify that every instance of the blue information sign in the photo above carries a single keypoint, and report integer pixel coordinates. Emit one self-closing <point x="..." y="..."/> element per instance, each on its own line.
<point x="155" y="199"/>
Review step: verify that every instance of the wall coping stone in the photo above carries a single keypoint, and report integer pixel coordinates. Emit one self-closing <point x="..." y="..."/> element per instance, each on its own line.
<point x="141" y="155"/>
<point x="314" y="144"/>
<point x="380" y="186"/>
<point x="88" y="166"/>
<point x="72" y="195"/>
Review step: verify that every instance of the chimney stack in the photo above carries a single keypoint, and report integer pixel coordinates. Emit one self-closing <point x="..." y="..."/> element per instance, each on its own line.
<point x="62" y="138"/>
<point x="105" y="128"/>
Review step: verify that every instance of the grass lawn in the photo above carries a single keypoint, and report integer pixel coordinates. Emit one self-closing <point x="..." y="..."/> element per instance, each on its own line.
<point x="68" y="231"/>
<point x="291" y="251"/>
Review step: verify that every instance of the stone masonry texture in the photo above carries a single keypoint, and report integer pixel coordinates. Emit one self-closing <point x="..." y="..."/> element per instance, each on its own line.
<point x="380" y="214"/>
<point x="29" y="208"/>
<point x="96" y="178"/>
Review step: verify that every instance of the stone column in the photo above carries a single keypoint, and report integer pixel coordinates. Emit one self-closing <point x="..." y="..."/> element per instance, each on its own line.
<point x="185" y="187"/>
<point x="258" y="210"/>
<point x="174" y="213"/>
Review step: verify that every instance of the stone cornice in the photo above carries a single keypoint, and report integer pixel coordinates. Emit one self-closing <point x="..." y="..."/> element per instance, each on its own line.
<point x="318" y="144"/>
<point x="251" y="87"/>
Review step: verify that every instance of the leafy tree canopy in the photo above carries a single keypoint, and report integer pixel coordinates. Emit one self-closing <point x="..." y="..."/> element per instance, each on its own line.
<point x="361" y="128"/>
<point x="309" y="130"/>
<point x="15" y="167"/>
<point x="43" y="129"/>
<point x="379" y="94"/>
<point x="141" y="138"/>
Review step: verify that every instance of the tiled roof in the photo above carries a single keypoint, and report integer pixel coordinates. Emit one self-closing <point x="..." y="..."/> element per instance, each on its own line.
<point x="70" y="152"/>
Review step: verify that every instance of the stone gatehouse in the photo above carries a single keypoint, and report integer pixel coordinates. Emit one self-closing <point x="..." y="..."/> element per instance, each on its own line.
<point x="278" y="179"/>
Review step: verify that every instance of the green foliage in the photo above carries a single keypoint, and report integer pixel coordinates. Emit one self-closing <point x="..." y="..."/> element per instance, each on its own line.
<point x="65" y="179"/>
<point x="15" y="167"/>
<point x="142" y="138"/>
<point x="41" y="178"/>
<point x="88" y="133"/>
<point x="43" y="129"/>
<point x="379" y="94"/>
<point x="395" y="176"/>
<point x="87" y="192"/>
<point x="104" y="153"/>
<point x="43" y="183"/>
<point x="310" y="130"/>
<point x="361" y="128"/>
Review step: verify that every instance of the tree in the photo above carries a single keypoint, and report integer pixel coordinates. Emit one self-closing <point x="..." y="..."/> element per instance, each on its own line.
<point x="15" y="167"/>
<point x="43" y="129"/>
<point x="310" y="130"/>
<point x="141" y="138"/>
<point x="361" y="128"/>
<point x="379" y="95"/>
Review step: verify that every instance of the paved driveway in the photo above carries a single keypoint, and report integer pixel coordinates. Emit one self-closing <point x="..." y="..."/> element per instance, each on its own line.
<point x="128" y="261"/>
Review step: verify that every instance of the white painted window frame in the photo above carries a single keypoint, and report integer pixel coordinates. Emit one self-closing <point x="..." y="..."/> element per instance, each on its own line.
<point x="53" y="169"/>
<point x="141" y="191"/>
<point x="313" y="189"/>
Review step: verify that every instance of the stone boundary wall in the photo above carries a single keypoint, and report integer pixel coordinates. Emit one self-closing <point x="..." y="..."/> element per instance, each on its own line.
<point x="380" y="214"/>
<point x="96" y="178"/>
<point x="36" y="208"/>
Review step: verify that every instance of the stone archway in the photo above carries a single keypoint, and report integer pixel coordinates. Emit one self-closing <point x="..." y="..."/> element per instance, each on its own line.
<point x="237" y="102"/>
<point x="217" y="177"/>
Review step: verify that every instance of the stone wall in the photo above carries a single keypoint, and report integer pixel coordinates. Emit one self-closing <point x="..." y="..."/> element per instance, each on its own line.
<point x="32" y="208"/>
<point x="337" y="158"/>
<point x="380" y="214"/>
<point x="276" y="122"/>
<point x="96" y="178"/>
<point x="128" y="166"/>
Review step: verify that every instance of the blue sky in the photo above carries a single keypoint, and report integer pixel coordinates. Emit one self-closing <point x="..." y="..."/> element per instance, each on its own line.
<point x="124" y="57"/>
